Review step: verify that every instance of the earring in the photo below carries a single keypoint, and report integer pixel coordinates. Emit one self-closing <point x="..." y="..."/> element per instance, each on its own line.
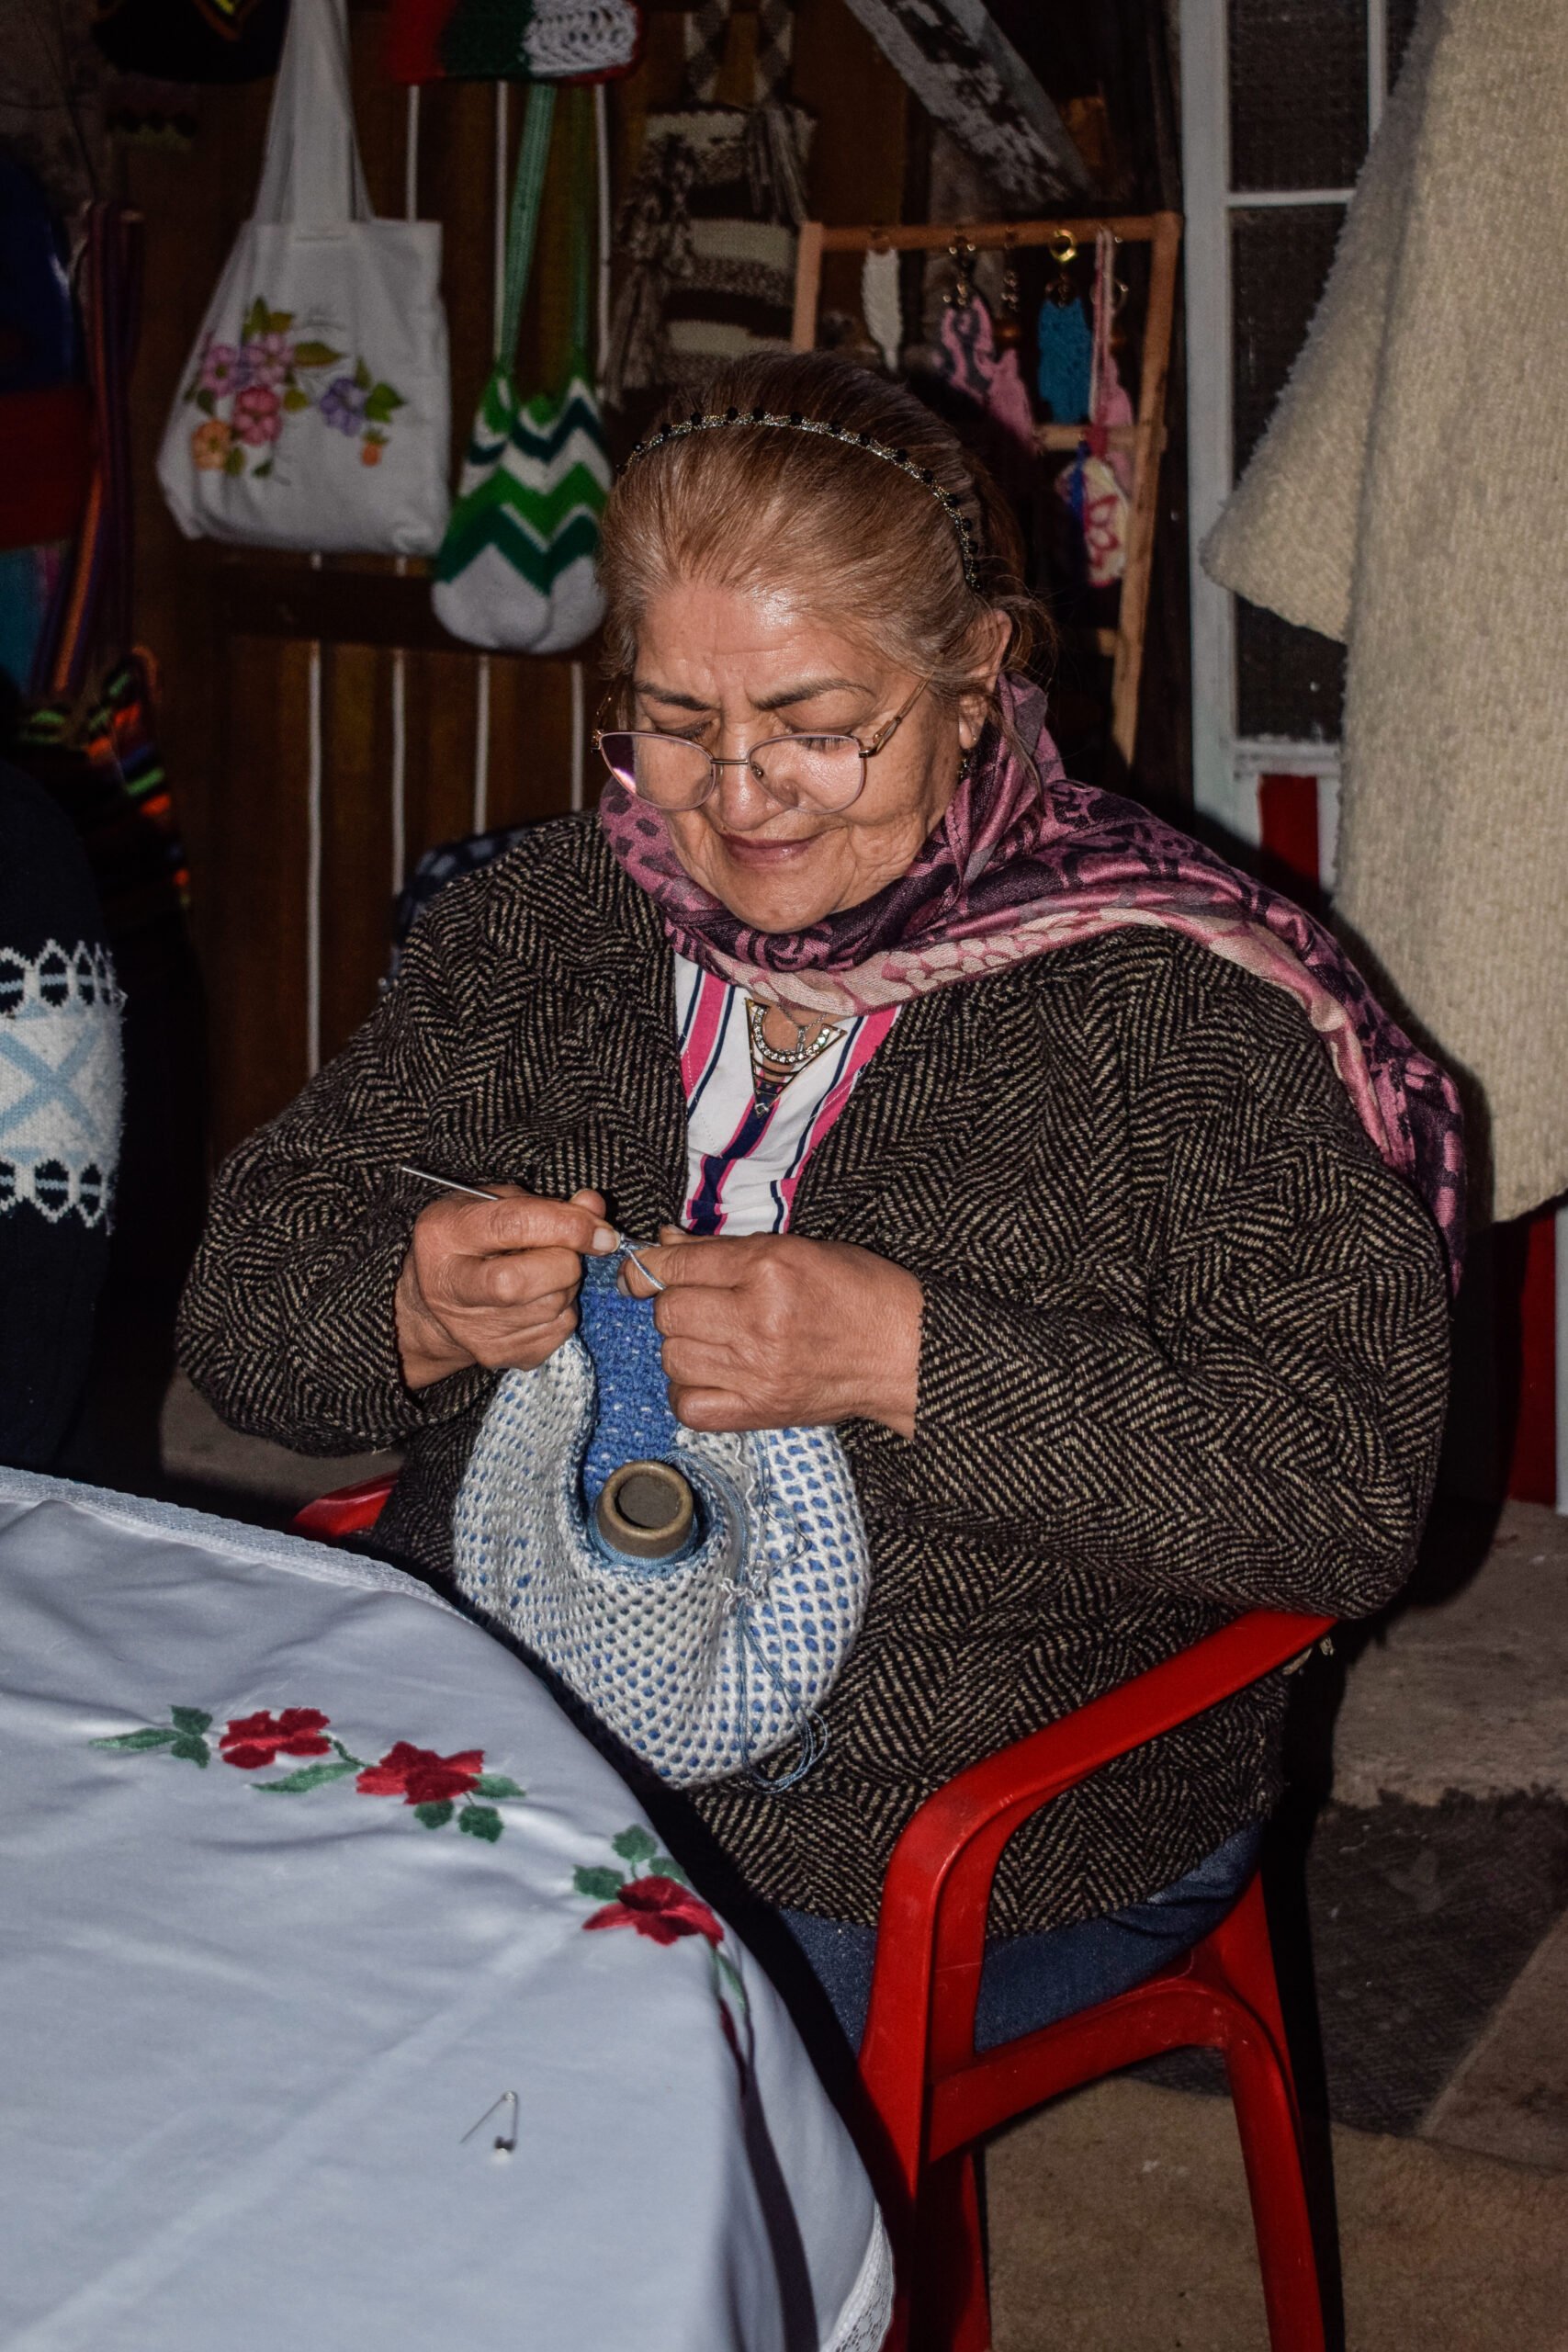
<point x="1007" y="326"/>
<point x="1064" y="341"/>
<point x="961" y="253"/>
<point x="1063" y="249"/>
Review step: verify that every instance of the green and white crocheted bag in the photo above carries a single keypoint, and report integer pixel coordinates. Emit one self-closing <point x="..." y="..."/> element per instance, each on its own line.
<point x="516" y="567"/>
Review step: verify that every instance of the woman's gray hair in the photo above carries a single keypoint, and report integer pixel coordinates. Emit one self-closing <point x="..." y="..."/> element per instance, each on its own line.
<point x="879" y="554"/>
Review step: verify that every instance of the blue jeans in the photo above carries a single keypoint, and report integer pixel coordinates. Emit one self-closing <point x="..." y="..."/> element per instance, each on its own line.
<point x="1033" y="1981"/>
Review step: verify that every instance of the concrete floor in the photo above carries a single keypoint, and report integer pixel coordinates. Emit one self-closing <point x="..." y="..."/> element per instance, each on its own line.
<point x="1468" y="1691"/>
<point x="1119" y="2217"/>
<point x="1119" y="2223"/>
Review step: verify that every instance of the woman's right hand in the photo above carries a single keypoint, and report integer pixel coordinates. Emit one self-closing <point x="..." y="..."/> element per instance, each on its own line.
<point x="493" y="1283"/>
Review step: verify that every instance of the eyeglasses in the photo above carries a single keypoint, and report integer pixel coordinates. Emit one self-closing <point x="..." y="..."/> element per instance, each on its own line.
<point x="826" y="772"/>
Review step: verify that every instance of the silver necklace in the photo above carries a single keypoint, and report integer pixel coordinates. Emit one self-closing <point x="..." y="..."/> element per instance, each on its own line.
<point x="786" y="1061"/>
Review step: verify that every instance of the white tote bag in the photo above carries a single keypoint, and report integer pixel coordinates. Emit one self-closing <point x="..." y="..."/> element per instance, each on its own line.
<point x="314" y="412"/>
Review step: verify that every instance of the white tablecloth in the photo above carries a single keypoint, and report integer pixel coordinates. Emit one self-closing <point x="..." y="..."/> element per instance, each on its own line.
<point x="260" y="1973"/>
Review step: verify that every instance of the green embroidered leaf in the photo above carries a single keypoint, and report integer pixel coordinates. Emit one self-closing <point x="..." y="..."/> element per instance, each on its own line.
<point x="255" y="321"/>
<point x="206" y="405"/>
<point x="279" y="322"/>
<point x="190" y="1750"/>
<point x="355" y="1763"/>
<point x="362" y="375"/>
<point x="234" y="463"/>
<point x="434" y="1816"/>
<point x="139" y="1739"/>
<point x="600" y="1886"/>
<point x="190" y="1719"/>
<point x="256" y="472"/>
<point x="382" y="402"/>
<point x="496" y="1784"/>
<point x="634" y="1845"/>
<point x="480" y="1821"/>
<point x="311" y="353"/>
<point x="293" y="399"/>
<point x="309" y="1776"/>
<point x="666" y="1866"/>
<point x="377" y="440"/>
<point x="731" y="1975"/>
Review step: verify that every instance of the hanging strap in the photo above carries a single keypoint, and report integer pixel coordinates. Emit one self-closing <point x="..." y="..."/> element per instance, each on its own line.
<point x="1103" y="304"/>
<point x="579" y="103"/>
<point x="91" y="608"/>
<point x="707" y="37"/>
<point x="532" y="154"/>
<point x="707" y="33"/>
<point x="775" y="50"/>
<point x="312" y="175"/>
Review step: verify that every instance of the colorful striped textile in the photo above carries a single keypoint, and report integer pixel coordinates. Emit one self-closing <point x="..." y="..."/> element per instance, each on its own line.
<point x="745" y="1148"/>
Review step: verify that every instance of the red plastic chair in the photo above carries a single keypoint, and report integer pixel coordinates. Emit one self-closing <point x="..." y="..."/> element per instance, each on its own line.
<point x="933" y="2095"/>
<point x="348" y="1511"/>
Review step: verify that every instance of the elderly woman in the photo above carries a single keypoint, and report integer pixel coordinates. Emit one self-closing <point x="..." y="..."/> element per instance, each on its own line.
<point x="1074" y="1181"/>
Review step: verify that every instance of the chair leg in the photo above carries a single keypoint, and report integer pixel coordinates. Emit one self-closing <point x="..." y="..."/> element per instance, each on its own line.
<point x="1263" y="2093"/>
<point x="1271" y="2147"/>
<point x="951" y="2307"/>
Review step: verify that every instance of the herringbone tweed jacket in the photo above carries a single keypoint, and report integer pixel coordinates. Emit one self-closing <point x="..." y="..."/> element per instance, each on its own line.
<point x="1184" y="1345"/>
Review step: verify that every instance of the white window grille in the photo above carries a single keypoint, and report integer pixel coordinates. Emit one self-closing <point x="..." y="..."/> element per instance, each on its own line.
<point x="1279" y="99"/>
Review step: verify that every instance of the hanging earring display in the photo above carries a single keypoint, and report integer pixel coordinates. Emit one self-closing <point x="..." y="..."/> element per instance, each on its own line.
<point x="881" y="306"/>
<point x="1095" y="486"/>
<point x="1008" y="330"/>
<point x="1063" y="249"/>
<point x="1065" y="343"/>
<point x="1007" y="399"/>
<point x="972" y="357"/>
<point x="961" y="253"/>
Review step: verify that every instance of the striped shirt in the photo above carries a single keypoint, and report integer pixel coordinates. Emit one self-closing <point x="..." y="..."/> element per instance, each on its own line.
<point x="745" y="1154"/>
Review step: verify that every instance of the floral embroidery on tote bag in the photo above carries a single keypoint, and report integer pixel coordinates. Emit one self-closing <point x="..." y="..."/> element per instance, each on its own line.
<point x="324" y="327"/>
<point x="438" y="1788"/>
<point x="270" y="376"/>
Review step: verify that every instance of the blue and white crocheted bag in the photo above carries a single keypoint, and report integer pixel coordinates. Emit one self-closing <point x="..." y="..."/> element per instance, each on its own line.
<point x="701" y="1665"/>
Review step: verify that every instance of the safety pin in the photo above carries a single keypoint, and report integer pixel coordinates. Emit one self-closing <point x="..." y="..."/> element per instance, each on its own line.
<point x="474" y="1193"/>
<point x="505" y="2142"/>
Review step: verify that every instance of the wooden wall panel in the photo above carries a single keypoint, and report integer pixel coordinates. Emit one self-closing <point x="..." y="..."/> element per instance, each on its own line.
<point x="255" y="920"/>
<point x="235" y="668"/>
<point x="858" y="155"/>
<point x="356" y="827"/>
<point x="441" y="733"/>
<point x="530" y="740"/>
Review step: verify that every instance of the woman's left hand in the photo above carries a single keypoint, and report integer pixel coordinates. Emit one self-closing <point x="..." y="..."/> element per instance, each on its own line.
<point x="771" y="1331"/>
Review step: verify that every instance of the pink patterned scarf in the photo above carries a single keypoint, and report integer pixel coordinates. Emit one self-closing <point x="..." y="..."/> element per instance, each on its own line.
<point x="1024" y="861"/>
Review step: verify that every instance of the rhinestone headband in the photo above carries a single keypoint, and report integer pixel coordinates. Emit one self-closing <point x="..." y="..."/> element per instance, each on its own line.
<point x="795" y="422"/>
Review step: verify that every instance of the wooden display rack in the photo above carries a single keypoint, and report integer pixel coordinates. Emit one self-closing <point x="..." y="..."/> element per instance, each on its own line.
<point x="1145" y="439"/>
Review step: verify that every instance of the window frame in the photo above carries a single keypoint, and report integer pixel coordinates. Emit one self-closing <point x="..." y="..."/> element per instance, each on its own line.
<point x="1226" y="764"/>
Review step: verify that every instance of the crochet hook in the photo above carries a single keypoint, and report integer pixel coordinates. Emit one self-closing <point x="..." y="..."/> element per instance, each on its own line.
<point x="474" y="1193"/>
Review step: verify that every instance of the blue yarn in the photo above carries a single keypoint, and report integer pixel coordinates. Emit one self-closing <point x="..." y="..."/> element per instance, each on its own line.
<point x="1067" y="357"/>
<point x="633" y="1421"/>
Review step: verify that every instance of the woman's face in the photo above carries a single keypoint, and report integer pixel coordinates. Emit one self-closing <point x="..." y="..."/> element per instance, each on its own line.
<point x="728" y="667"/>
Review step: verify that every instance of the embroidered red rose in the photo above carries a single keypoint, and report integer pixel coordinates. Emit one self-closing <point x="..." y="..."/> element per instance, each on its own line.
<point x="421" y="1777"/>
<point x="253" y="1740"/>
<point x="661" y="1909"/>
